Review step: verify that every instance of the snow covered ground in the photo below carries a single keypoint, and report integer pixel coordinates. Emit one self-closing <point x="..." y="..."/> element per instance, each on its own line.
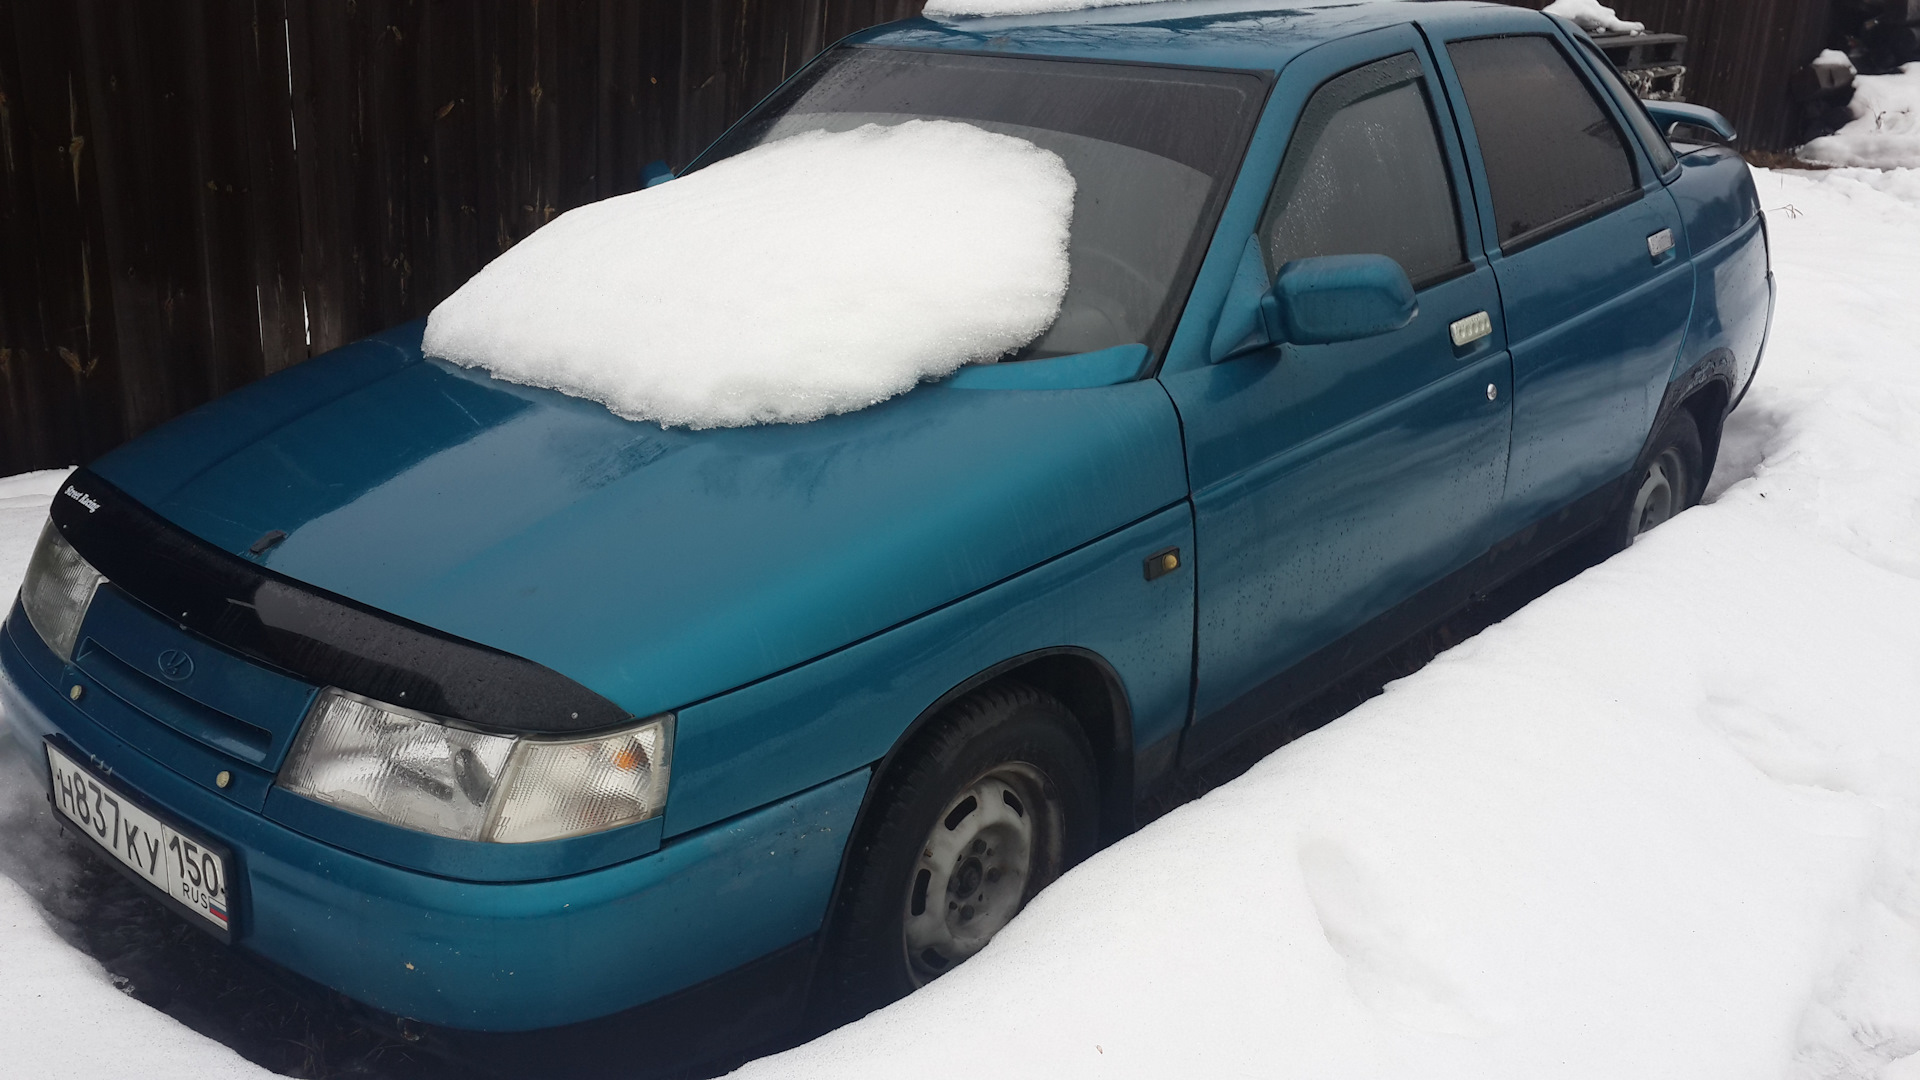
<point x="1663" y="822"/>
<point x="1885" y="130"/>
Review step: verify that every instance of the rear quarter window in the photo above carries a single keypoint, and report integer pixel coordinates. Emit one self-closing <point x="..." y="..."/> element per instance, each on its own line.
<point x="1553" y="155"/>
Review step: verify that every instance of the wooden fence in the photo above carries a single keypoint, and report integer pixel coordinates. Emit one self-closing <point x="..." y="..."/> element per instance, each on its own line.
<point x="196" y="193"/>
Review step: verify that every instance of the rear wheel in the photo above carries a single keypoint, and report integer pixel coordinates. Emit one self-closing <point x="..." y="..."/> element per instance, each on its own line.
<point x="989" y="805"/>
<point x="1670" y="479"/>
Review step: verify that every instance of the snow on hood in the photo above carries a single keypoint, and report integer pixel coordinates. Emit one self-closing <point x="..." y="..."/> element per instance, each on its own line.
<point x="816" y="275"/>
<point x="1885" y="130"/>
<point x="1593" y="17"/>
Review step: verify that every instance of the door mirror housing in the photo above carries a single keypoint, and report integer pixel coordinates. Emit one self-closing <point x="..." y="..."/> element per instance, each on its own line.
<point x="1671" y="114"/>
<point x="1331" y="298"/>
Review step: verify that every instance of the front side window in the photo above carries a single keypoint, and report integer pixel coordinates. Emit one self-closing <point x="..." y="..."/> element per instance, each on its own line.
<point x="1152" y="151"/>
<point x="1364" y="175"/>
<point x="1552" y="153"/>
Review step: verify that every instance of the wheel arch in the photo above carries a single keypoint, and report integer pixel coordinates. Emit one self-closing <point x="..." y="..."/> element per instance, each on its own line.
<point x="1705" y="390"/>
<point x="1091" y="690"/>
<point x="1709" y="405"/>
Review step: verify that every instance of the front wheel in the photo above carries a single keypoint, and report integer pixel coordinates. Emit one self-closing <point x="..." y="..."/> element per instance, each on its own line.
<point x="990" y="804"/>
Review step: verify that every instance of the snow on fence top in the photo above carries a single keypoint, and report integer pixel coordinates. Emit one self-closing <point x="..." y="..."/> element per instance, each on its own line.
<point x="816" y="275"/>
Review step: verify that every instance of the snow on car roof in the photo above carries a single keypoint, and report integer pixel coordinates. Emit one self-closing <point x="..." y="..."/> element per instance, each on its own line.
<point x="1593" y="17"/>
<point x="816" y="275"/>
<point x="1019" y="7"/>
<point x="993" y="8"/>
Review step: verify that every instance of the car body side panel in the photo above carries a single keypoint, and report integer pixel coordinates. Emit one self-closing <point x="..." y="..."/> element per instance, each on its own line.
<point x="848" y="709"/>
<point x="1733" y="293"/>
<point x="1586" y="387"/>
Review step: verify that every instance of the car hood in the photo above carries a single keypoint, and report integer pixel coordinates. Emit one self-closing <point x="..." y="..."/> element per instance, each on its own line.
<point x="654" y="566"/>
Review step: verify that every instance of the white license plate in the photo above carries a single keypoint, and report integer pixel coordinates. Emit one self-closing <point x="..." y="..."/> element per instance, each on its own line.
<point x="187" y="870"/>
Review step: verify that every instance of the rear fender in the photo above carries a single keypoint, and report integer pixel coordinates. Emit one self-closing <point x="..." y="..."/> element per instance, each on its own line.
<point x="1732" y="288"/>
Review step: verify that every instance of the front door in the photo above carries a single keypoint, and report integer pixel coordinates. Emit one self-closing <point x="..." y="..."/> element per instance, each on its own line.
<point x="1332" y="483"/>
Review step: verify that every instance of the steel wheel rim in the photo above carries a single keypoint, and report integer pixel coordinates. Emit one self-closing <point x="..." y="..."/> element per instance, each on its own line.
<point x="1659" y="496"/>
<point x="986" y="852"/>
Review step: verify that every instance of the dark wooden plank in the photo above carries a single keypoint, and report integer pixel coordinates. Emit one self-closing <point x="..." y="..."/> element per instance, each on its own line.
<point x="325" y="69"/>
<point x="270" y="191"/>
<point x="44" y="294"/>
<point x="67" y="352"/>
<point x="449" y="110"/>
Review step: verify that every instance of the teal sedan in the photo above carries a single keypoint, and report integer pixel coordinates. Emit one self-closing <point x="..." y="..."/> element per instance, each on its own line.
<point x="494" y="711"/>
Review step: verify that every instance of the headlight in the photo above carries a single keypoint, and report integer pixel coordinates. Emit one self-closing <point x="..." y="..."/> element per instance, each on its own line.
<point x="388" y="763"/>
<point x="58" y="588"/>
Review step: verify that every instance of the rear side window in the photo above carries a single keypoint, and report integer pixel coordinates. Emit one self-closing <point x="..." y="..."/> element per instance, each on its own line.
<point x="1364" y="175"/>
<point x="1636" y="113"/>
<point x="1552" y="152"/>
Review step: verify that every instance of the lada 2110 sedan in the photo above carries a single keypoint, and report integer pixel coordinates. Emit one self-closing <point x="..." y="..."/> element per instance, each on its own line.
<point x="494" y="711"/>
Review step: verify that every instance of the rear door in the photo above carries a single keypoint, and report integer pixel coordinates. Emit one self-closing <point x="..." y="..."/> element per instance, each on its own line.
<point x="1333" y="482"/>
<point x="1588" y="249"/>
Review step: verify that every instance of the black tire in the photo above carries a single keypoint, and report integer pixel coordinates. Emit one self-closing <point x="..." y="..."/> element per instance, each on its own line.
<point x="1669" y="478"/>
<point x="1007" y="738"/>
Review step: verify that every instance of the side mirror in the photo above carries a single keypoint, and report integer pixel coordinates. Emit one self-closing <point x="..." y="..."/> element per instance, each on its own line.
<point x="1332" y="298"/>
<point x="1670" y="114"/>
<point x="655" y="172"/>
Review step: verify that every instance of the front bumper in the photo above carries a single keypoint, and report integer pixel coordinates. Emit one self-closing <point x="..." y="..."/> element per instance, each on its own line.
<point x="485" y="956"/>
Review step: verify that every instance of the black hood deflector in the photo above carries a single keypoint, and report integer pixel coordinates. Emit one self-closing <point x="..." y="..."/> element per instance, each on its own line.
<point x="312" y="634"/>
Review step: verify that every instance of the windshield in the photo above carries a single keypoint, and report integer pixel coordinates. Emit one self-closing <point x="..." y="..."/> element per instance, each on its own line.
<point x="1152" y="151"/>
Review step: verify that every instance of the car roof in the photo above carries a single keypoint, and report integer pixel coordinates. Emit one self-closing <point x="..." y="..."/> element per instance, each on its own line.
<point x="1247" y="35"/>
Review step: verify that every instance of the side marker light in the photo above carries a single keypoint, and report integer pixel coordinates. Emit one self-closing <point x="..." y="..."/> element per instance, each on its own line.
<point x="1161" y="563"/>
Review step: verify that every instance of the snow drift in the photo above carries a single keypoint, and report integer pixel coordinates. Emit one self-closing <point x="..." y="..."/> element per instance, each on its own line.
<point x="816" y="275"/>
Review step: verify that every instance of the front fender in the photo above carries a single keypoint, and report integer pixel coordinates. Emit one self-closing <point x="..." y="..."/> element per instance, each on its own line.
<point x="848" y="709"/>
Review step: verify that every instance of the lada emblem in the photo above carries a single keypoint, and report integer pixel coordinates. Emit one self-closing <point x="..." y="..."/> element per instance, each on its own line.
<point x="175" y="664"/>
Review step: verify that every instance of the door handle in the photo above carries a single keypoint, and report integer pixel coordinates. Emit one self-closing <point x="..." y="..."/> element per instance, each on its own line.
<point x="1658" y="244"/>
<point x="1470" y="329"/>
